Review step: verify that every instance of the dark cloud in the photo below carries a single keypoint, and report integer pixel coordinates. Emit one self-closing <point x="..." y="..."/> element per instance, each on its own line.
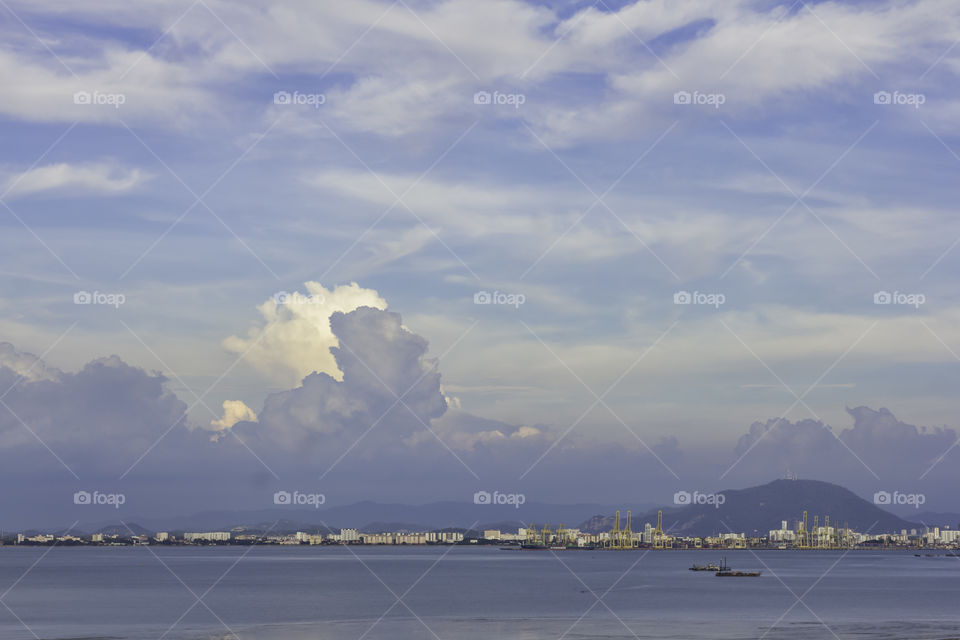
<point x="94" y="419"/>
<point x="878" y="443"/>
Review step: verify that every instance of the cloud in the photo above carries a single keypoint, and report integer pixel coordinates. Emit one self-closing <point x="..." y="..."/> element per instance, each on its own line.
<point x="103" y="86"/>
<point x="419" y="66"/>
<point x="877" y="447"/>
<point x="296" y="337"/>
<point x="466" y="432"/>
<point x="385" y="384"/>
<point x="743" y="53"/>
<point x="99" y="418"/>
<point x="105" y="178"/>
<point x="103" y="418"/>
<point x="234" y="411"/>
<point x="26" y="366"/>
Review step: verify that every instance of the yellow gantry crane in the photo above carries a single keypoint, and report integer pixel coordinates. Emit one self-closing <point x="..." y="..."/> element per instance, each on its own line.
<point x="621" y="535"/>
<point x="659" y="539"/>
<point x="546" y="535"/>
<point x="616" y="535"/>
<point x="825" y="537"/>
<point x="532" y="534"/>
<point x="803" y="535"/>
<point x="626" y="536"/>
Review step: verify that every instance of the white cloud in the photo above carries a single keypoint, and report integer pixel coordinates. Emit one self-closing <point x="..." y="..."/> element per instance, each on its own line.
<point x="101" y="177"/>
<point x="411" y="71"/>
<point x="27" y="366"/>
<point x="105" y="87"/>
<point x="234" y="411"/>
<point x="295" y="338"/>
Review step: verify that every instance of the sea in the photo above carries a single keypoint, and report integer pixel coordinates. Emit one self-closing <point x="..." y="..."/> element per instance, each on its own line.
<point x="466" y="592"/>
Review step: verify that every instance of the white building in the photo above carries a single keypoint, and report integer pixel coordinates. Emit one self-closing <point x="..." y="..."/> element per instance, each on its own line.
<point x="208" y="536"/>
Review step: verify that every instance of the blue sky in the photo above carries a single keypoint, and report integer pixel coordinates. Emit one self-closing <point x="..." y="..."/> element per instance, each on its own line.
<point x="789" y="186"/>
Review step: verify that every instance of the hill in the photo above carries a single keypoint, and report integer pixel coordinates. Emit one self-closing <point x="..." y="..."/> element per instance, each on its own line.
<point x="938" y="519"/>
<point x="757" y="510"/>
<point x="372" y="516"/>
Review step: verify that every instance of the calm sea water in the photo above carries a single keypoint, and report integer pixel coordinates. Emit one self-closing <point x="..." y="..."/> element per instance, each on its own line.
<point x="296" y="593"/>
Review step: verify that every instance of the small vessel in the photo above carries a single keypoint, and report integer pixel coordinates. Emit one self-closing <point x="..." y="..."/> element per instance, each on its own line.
<point x="712" y="566"/>
<point x="726" y="572"/>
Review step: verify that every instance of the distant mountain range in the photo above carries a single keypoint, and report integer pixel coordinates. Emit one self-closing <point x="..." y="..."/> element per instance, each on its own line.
<point x="366" y="516"/>
<point x="757" y="510"/>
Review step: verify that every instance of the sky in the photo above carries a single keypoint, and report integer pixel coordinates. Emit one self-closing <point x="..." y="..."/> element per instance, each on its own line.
<point x="407" y="251"/>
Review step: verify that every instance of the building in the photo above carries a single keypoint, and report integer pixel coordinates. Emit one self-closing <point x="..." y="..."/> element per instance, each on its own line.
<point x="208" y="536"/>
<point x="783" y="534"/>
<point x="491" y="534"/>
<point x="69" y="539"/>
<point x="162" y="536"/>
<point x="40" y="538"/>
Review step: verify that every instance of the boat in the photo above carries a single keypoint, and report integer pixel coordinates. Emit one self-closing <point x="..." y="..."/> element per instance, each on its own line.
<point x="726" y="572"/>
<point x="706" y="567"/>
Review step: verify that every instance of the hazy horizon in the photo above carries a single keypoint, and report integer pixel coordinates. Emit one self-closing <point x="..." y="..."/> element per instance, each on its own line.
<point x="407" y="252"/>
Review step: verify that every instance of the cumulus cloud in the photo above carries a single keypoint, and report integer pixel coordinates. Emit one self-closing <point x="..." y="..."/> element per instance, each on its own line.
<point x="234" y="411"/>
<point x="105" y="414"/>
<point x="378" y="361"/>
<point x="100" y="419"/>
<point x="295" y="338"/>
<point x="25" y="365"/>
<point x="878" y="445"/>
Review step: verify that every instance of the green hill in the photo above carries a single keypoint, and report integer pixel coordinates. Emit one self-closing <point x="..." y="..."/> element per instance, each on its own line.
<point x="757" y="510"/>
